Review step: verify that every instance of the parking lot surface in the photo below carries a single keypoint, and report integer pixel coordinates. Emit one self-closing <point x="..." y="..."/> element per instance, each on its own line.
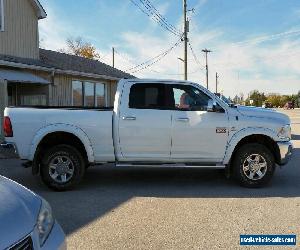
<point x="144" y="208"/>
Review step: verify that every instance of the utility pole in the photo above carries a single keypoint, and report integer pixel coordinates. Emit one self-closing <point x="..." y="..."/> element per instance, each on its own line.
<point x="113" y="57"/>
<point x="185" y="38"/>
<point x="217" y="82"/>
<point x="206" y="51"/>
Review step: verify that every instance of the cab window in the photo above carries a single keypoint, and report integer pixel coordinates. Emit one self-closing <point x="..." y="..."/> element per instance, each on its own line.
<point x="187" y="97"/>
<point x="147" y="96"/>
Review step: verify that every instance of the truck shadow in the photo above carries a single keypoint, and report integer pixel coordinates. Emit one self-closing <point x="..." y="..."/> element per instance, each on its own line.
<point x="105" y="188"/>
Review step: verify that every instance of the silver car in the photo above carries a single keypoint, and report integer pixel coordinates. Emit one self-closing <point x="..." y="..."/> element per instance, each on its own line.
<point x="26" y="220"/>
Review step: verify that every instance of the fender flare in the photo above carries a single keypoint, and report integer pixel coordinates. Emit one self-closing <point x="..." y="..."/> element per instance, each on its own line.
<point x="241" y="134"/>
<point x="61" y="127"/>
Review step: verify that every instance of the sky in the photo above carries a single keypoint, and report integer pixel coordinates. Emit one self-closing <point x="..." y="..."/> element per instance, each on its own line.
<point x="255" y="44"/>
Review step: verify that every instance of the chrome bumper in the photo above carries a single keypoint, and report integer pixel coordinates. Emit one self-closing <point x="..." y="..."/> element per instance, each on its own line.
<point x="285" y="149"/>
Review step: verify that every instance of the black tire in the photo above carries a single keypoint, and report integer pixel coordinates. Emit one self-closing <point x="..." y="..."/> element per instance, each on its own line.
<point x="64" y="152"/>
<point x="249" y="151"/>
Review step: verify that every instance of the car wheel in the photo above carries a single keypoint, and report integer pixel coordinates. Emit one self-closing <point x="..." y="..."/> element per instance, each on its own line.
<point x="62" y="167"/>
<point x="253" y="165"/>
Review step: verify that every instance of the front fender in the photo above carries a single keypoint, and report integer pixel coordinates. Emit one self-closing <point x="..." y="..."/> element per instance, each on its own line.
<point x="238" y="136"/>
<point x="60" y="127"/>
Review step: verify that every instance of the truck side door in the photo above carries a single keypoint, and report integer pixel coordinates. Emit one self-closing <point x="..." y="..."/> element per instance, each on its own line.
<point x="197" y="135"/>
<point x="144" y="123"/>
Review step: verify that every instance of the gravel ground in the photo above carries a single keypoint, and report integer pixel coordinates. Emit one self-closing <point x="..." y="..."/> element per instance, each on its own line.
<point x="116" y="208"/>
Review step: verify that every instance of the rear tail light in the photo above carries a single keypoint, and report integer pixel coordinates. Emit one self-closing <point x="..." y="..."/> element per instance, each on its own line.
<point x="7" y="127"/>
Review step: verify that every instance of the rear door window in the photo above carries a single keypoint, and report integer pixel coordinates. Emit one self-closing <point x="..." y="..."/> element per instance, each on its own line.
<point x="148" y="96"/>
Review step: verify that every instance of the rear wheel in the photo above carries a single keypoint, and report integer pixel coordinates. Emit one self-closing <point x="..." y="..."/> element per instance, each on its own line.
<point x="253" y="165"/>
<point x="62" y="167"/>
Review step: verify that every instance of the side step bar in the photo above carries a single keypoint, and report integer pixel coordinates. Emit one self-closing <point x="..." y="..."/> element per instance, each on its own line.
<point x="162" y="165"/>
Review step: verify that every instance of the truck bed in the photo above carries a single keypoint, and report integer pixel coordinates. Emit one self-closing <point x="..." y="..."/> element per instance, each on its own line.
<point x="64" y="107"/>
<point x="32" y="122"/>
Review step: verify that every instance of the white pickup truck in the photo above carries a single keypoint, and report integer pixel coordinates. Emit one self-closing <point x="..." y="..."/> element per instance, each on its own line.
<point x="155" y="123"/>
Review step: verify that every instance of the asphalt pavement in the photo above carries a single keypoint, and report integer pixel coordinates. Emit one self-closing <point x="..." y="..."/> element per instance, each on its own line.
<point x="144" y="208"/>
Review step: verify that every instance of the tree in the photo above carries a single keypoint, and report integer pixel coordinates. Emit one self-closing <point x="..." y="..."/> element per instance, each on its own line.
<point x="298" y="99"/>
<point x="79" y="47"/>
<point x="274" y="100"/>
<point x="257" y="98"/>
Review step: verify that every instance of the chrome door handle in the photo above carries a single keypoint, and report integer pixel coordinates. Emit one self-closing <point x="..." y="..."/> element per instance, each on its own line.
<point x="129" y="118"/>
<point x="182" y="119"/>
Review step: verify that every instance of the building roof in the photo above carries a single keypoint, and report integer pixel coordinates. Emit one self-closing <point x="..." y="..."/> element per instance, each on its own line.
<point x="23" y="61"/>
<point x="76" y="63"/>
<point x="69" y="63"/>
<point x="41" y="13"/>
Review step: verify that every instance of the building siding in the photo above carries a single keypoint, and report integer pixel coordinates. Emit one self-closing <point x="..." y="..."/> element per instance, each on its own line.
<point x="113" y="90"/>
<point x="61" y="91"/>
<point x="20" y="37"/>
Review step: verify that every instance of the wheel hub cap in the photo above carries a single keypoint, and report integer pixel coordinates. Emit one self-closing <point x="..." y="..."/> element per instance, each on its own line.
<point x="61" y="169"/>
<point x="255" y="167"/>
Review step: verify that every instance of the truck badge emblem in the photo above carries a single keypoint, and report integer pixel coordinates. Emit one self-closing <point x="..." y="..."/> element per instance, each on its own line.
<point x="221" y="130"/>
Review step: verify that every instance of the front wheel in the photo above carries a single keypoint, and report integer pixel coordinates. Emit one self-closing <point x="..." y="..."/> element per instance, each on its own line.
<point x="62" y="167"/>
<point x="253" y="165"/>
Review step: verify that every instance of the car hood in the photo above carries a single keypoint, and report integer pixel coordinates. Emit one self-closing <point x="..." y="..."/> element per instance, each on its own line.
<point x="264" y="113"/>
<point x="19" y="208"/>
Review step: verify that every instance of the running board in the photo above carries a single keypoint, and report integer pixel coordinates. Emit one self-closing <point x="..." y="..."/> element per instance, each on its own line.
<point x="170" y="165"/>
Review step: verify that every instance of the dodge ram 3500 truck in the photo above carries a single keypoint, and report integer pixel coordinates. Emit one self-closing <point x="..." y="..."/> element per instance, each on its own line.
<point x="153" y="123"/>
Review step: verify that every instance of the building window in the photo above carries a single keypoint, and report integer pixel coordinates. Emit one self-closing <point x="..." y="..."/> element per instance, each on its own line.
<point x="1" y="15"/>
<point x="100" y="95"/>
<point x="33" y="100"/>
<point x="11" y="93"/>
<point x="88" y="94"/>
<point x="77" y="93"/>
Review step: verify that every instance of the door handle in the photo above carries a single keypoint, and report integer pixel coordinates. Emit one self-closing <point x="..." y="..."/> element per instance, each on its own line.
<point x="182" y="119"/>
<point x="129" y="118"/>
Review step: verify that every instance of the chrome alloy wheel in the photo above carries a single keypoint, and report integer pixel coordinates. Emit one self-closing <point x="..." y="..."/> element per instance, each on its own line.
<point x="61" y="169"/>
<point x="255" y="167"/>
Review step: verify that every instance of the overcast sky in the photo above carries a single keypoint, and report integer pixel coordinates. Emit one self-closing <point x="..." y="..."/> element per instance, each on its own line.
<point x="255" y="43"/>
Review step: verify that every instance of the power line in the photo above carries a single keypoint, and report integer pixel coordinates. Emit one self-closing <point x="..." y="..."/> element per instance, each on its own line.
<point x="163" y="19"/>
<point x="158" y="59"/>
<point x="152" y="12"/>
<point x="153" y="60"/>
<point x="156" y="71"/>
<point x="159" y="18"/>
<point x="195" y="57"/>
<point x="175" y="74"/>
<point x="123" y="56"/>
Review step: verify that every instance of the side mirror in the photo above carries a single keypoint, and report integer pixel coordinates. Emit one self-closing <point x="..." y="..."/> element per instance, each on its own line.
<point x="211" y="106"/>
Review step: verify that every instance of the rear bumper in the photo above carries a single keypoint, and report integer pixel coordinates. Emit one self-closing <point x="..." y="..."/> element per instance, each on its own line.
<point x="285" y="150"/>
<point x="9" y="146"/>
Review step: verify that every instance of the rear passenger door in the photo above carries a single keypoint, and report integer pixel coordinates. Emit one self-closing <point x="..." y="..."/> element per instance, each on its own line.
<point x="145" y="123"/>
